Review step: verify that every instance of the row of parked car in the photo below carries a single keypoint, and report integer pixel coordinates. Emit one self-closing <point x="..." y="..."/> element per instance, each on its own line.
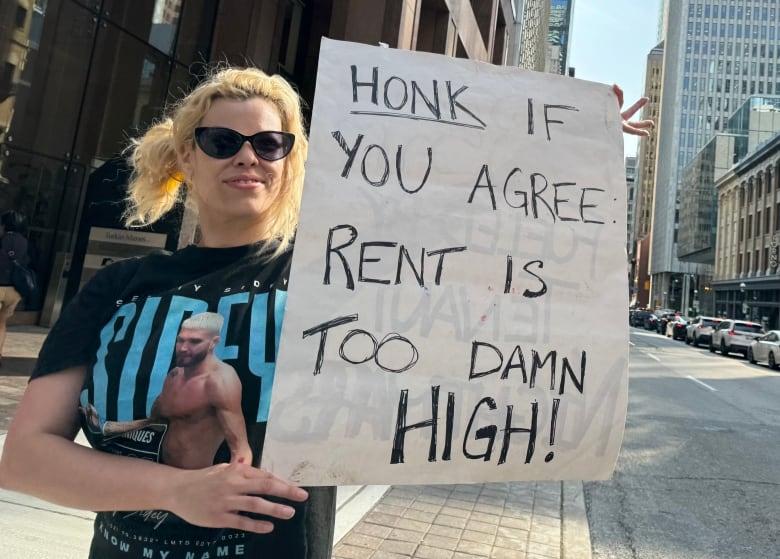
<point x="725" y="335"/>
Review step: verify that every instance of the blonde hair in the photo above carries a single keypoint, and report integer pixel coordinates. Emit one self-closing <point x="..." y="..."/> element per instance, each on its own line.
<point x="155" y="182"/>
<point x="211" y="322"/>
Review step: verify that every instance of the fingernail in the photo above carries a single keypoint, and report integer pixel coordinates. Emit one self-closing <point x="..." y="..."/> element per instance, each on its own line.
<point x="301" y="494"/>
<point x="288" y="512"/>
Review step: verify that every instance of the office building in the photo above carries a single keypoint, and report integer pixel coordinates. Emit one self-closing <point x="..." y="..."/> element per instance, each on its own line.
<point x="746" y="282"/>
<point x="546" y="35"/>
<point x="641" y="218"/>
<point x="81" y="77"/>
<point x="716" y="54"/>
<point x="559" y="36"/>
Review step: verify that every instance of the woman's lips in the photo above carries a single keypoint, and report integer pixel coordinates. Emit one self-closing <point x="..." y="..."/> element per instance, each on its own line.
<point x="244" y="182"/>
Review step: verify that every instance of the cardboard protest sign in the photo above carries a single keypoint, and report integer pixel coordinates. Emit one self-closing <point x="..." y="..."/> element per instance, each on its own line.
<point x="457" y="308"/>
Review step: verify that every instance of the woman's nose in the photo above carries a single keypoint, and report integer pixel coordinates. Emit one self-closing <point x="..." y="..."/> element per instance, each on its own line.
<point x="246" y="155"/>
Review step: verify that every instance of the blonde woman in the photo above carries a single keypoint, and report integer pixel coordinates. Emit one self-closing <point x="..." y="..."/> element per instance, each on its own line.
<point x="237" y="145"/>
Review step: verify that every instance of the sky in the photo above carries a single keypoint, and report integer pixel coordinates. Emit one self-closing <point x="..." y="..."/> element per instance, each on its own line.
<point x="610" y="42"/>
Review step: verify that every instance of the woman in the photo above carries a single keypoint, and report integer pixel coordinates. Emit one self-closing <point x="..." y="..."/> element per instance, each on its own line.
<point x="137" y="360"/>
<point x="13" y="246"/>
<point x="170" y="357"/>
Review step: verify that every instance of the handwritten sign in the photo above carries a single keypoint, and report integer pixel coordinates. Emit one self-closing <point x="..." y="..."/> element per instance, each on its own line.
<point x="458" y="300"/>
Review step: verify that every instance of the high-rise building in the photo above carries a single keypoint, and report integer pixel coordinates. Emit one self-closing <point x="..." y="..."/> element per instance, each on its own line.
<point x="716" y="54"/>
<point x="631" y="196"/>
<point x="630" y="164"/>
<point x="559" y="36"/>
<point x="546" y="35"/>
<point x="639" y="233"/>
<point x="533" y="37"/>
<point x="647" y="147"/>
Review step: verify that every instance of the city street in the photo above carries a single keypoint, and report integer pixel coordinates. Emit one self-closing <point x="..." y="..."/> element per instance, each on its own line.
<point x="698" y="474"/>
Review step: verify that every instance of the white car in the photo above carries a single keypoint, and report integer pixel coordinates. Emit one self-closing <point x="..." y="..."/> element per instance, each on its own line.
<point x="766" y="348"/>
<point x="735" y="336"/>
<point x="699" y="331"/>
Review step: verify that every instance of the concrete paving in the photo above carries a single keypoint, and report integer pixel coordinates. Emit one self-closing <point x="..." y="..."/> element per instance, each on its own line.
<point x="520" y="520"/>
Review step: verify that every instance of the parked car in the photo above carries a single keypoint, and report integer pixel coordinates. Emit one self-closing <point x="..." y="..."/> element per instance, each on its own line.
<point x="651" y="322"/>
<point x="699" y="330"/>
<point x="766" y="348"/>
<point x="638" y="318"/>
<point x="676" y="328"/>
<point x="663" y="320"/>
<point x="735" y="336"/>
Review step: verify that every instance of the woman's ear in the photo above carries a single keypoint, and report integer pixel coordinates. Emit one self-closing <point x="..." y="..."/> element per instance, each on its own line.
<point x="186" y="159"/>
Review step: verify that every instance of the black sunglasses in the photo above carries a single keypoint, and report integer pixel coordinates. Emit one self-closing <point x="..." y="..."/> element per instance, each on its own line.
<point x="221" y="143"/>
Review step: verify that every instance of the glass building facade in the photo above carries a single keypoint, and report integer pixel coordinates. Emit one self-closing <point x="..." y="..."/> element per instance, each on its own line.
<point x="79" y="78"/>
<point x="559" y="35"/>
<point x="756" y="121"/>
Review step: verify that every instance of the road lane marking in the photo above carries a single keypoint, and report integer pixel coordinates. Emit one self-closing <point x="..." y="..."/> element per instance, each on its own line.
<point x="704" y="384"/>
<point x="651" y="356"/>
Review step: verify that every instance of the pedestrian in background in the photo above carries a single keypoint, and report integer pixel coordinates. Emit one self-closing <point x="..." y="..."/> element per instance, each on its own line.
<point x="13" y="246"/>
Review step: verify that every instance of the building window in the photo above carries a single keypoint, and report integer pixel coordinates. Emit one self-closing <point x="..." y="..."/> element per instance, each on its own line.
<point x="21" y="17"/>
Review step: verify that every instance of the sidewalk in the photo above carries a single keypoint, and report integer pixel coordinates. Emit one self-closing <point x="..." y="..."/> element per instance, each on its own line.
<point x="520" y="520"/>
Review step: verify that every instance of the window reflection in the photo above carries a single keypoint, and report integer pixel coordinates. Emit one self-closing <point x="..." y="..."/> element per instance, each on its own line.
<point x="127" y="88"/>
<point x="44" y="73"/>
<point x="194" y="38"/>
<point x="152" y="21"/>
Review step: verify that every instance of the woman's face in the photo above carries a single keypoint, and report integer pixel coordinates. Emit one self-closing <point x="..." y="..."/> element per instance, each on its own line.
<point x="237" y="190"/>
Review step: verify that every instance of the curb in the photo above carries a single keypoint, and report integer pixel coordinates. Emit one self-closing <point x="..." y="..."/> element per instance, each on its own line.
<point x="353" y="502"/>
<point x="575" y="530"/>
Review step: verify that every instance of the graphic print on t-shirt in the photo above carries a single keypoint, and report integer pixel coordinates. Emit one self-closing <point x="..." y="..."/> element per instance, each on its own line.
<point x="198" y="408"/>
<point x="183" y="378"/>
<point x="176" y="382"/>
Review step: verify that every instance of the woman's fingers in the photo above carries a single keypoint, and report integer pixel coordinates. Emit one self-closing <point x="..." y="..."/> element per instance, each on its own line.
<point x="262" y="482"/>
<point x="220" y="497"/>
<point x="637" y="127"/>
<point x="619" y="92"/>
<point x="629" y="112"/>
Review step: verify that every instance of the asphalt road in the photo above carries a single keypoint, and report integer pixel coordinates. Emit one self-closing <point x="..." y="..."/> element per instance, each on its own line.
<point x="698" y="475"/>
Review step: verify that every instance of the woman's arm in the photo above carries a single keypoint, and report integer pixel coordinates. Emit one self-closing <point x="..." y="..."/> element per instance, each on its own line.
<point x="41" y="459"/>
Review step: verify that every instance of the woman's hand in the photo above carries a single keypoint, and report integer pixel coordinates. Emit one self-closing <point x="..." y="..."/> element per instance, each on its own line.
<point x="636" y="127"/>
<point x="216" y="496"/>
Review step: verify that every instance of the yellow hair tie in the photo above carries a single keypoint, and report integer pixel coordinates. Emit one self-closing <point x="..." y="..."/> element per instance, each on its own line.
<point x="172" y="184"/>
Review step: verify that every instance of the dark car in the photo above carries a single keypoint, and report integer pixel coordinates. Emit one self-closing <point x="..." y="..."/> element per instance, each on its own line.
<point x="651" y="322"/>
<point x="663" y="320"/>
<point x="638" y="318"/>
<point x="677" y="328"/>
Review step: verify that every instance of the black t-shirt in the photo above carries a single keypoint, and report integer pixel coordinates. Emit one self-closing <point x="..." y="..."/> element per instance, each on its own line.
<point x="153" y="353"/>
